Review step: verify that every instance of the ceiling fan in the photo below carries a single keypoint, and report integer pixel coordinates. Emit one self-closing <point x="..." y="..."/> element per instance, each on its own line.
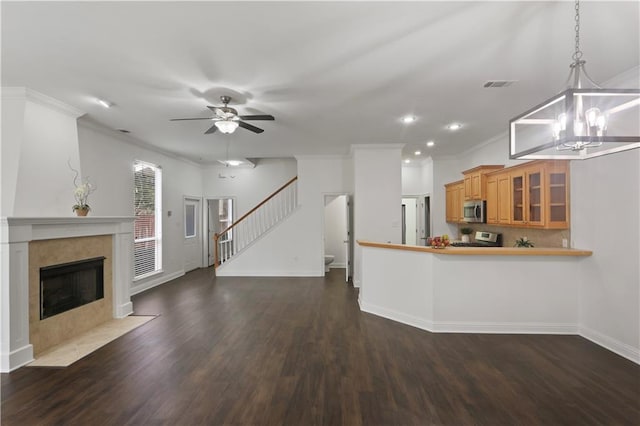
<point x="227" y="120"/>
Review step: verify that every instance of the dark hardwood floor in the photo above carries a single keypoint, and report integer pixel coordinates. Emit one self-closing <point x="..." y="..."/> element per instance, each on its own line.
<point x="297" y="351"/>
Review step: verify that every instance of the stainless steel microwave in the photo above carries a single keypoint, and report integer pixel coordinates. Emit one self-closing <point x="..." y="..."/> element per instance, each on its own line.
<point x="475" y="211"/>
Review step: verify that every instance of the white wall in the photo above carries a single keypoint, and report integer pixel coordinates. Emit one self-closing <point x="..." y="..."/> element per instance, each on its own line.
<point x="335" y="229"/>
<point x="250" y="185"/>
<point x="605" y="217"/>
<point x="39" y="138"/>
<point x="444" y="171"/>
<point x="108" y="159"/>
<point x="417" y="178"/>
<point x="295" y="246"/>
<point x="378" y="194"/>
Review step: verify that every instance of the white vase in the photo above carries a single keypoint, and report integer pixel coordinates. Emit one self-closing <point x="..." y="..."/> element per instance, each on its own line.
<point x="465" y="238"/>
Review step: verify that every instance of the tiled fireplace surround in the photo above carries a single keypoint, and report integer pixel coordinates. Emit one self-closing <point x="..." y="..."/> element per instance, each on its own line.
<point x="30" y="243"/>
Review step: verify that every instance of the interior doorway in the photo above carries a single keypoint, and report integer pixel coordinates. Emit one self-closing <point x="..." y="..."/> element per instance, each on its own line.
<point x="220" y="215"/>
<point x="337" y="233"/>
<point x="409" y="221"/>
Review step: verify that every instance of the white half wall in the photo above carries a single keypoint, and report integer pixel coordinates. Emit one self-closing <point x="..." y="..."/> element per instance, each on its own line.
<point x="446" y="293"/>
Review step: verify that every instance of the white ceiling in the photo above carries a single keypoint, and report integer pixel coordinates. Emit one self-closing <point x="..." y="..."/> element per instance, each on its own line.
<point x="333" y="74"/>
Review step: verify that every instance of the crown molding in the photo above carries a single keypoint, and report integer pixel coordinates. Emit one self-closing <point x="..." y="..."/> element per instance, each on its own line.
<point x="91" y="124"/>
<point x="322" y="157"/>
<point x="42" y="99"/>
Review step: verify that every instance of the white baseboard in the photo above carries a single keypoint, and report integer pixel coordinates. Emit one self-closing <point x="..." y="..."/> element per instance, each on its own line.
<point x="16" y="359"/>
<point x="257" y="273"/>
<point x="616" y="346"/>
<point x="156" y="282"/>
<point x="337" y="265"/>
<point x="504" y="328"/>
<point x="411" y="320"/>
<point x="124" y="310"/>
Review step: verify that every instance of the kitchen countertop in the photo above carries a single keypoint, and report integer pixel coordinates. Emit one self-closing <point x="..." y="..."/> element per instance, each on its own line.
<point x="484" y="251"/>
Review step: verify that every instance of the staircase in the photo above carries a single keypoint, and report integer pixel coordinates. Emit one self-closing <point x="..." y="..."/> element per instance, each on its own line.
<point x="256" y="222"/>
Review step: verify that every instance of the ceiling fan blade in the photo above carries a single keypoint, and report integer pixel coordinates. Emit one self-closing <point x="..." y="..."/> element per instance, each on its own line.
<point x="183" y="119"/>
<point x="257" y="117"/>
<point x="250" y="127"/>
<point x="211" y="129"/>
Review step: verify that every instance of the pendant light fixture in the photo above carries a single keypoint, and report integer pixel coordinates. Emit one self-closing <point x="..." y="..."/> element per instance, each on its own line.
<point x="584" y="121"/>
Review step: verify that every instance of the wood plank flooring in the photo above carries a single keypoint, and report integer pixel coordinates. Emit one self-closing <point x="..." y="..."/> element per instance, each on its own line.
<point x="298" y="351"/>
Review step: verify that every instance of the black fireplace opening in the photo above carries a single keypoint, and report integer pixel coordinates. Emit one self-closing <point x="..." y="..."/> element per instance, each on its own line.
<point x="69" y="285"/>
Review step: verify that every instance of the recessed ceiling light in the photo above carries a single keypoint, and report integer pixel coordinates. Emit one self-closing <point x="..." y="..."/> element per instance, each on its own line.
<point x="104" y="103"/>
<point x="418" y="152"/>
<point x="454" y="126"/>
<point x="408" y="119"/>
<point x="407" y="161"/>
<point x="430" y="143"/>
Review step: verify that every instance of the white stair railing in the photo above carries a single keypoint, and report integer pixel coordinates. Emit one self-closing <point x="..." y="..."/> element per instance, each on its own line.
<point x="243" y="232"/>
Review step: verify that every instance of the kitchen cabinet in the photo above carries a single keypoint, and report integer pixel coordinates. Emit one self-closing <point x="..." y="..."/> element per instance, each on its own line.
<point x="557" y="194"/>
<point x="498" y="198"/>
<point x="527" y="196"/>
<point x="533" y="195"/>
<point x="454" y="201"/>
<point x="475" y="182"/>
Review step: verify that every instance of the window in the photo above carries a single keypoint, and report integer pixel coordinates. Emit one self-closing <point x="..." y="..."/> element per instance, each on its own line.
<point x="225" y="218"/>
<point x="147" y="251"/>
<point x="190" y="218"/>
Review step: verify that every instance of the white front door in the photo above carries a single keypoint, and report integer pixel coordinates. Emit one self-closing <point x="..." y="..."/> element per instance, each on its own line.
<point x="192" y="234"/>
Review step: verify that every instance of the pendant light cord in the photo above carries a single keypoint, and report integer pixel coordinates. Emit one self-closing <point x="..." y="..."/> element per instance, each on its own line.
<point x="578" y="53"/>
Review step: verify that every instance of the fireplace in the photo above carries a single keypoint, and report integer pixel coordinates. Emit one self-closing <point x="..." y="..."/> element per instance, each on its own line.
<point x="29" y="244"/>
<point x="66" y="286"/>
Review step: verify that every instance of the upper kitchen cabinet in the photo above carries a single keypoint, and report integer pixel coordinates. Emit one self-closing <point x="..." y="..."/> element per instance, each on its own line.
<point x="475" y="182"/>
<point x="454" y="201"/>
<point x="499" y="197"/>
<point x="557" y="194"/>
<point x="533" y="195"/>
<point x="527" y="196"/>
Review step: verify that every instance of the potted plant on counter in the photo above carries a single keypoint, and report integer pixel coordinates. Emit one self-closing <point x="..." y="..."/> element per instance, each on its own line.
<point x="466" y="234"/>
<point x="523" y="242"/>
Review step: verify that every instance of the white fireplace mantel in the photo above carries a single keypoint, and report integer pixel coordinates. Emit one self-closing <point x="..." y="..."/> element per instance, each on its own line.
<point x="15" y="235"/>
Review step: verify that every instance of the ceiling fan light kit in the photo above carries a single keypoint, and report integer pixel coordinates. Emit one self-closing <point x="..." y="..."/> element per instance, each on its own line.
<point x="226" y="126"/>
<point x="227" y="119"/>
<point x="580" y="122"/>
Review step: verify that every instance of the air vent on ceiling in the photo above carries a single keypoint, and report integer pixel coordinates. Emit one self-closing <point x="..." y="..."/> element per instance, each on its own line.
<point x="124" y="131"/>
<point x="499" y="83"/>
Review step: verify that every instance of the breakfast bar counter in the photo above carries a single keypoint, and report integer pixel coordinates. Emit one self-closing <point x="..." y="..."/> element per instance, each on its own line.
<point x="484" y="251"/>
<point x="475" y="290"/>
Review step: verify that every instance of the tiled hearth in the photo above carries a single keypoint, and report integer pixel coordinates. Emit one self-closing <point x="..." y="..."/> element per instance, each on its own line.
<point x="31" y="243"/>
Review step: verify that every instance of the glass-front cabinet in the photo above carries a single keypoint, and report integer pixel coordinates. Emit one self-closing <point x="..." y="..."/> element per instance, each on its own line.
<point x="557" y="194"/>
<point x="527" y="196"/>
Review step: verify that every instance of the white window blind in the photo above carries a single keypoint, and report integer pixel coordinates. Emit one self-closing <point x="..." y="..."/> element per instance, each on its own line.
<point x="147" y="250"/>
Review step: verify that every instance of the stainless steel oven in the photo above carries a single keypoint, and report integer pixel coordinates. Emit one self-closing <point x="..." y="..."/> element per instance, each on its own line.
<point x="475" y="211"/>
